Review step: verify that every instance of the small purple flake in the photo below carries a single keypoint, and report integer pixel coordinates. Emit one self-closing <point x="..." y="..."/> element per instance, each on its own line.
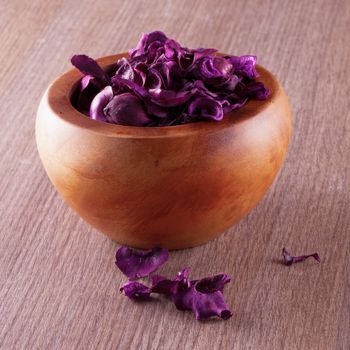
<point x="136" y="291"/>
<point x="140" y="263"/>
<point x="290" y="259"/>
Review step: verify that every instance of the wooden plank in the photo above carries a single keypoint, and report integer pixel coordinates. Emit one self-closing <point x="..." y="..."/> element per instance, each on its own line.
<point x="58" y="283"/>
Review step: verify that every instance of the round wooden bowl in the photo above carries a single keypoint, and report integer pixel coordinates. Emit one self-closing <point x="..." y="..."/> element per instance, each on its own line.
<point x="175" y="187"/>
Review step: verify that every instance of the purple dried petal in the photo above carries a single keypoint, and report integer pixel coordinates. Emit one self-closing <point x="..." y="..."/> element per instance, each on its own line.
<point x="89" y="66"/>
<point x="155" y="52"/>
<point x="206" y="108"/>
<point x="152" y="108"/>
<point x="170" y="98"/>
<point x="214" y="69"/>
<point x="202" y="90"/>
<point x="231" y="101"/>
<point x="125" y="70"/>
<point x="163" y="285"/>
<point x="223" y="66"/>
<point x="289" y="259"/>
<point x="174" y="84"/>
<point x="83" y="95"/>
<point x="146" y="40"/>
<point x="141" y="70"/>
<point x="228" y="85"/>
<point x="213" y="284"/>
<point x="205" y="305"/>
<point x="154" y="79"/>
<point x="136" y="291"/>
<point x="188" y="58"/>
<point x="85" y="81"/>
<point x="202" y="52"/>
<point x="183" y="297"/>
<point x="231" y="106"/>
<point x="204" y="297"/>
<point x="171" y="49"/>
<point x="137" y="263"/>
<point x="175" y="289"/>
<point x="132" y="86"/>
<point x="170" y="74"/>
<point x="99" y="102"/>
<point x="126" y="109"/>
<point x="244" y="65"/>
<point x="255" y="90"/>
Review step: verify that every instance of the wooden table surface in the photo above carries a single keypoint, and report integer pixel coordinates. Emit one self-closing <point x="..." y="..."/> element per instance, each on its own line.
<point x="58" y="282"/>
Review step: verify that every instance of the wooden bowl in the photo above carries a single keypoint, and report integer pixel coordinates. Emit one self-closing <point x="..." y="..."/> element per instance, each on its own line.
<point x="175" y="187"/>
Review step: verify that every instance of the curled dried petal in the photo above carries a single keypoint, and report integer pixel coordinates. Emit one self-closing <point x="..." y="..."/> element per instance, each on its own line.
<point x="163" y="285"/>
<point x="207" y="108"/>
<point x="213" y="284"/>
<point x="244" y="65"/>
<point x="136" y="291"/>
<point x="205" y="305"/>
<point x="290" y="259"/>
<point x="146" y="41"/>
<point x="126" y="109"/>
<point x="173" y="84"/>
<point x="140" y="263"/>
<point x="203" y="302"/>
<point x="89" y="66"/>
<point x="83" y="95"/>
<point x="254" y="89"/>
<point x="99" y="102"/>
<point x="203" y="297"/>
<point x="214" y="69"/>
<point x="125" y="70"/>
<point x="170" y="98"/>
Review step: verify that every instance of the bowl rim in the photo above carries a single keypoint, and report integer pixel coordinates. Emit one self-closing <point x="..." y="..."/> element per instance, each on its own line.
<point x="58" y="99"/>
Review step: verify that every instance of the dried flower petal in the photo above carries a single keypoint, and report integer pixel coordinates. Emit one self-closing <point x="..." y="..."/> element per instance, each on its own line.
<point x="289" y="259"/>
<point x="214" y="70"/>
<point x="85" y="81"/>
<point x="140" y="263"/>
<point x="213" y="284"/>
<point x="84" y="93"/>
<point x="170" y="98"/>
<point x="125" y="69"/>
<point x="135" y="290"/>
<point x="126" y="109"/>
<point x="205" y="305"/>
<point x="144" y="45"/>
<point x="169" y="84"/>
<point x="203" y="297"/>
<point x="89" y="66"/>
<point x="254" y="89"/>
<point x="207" y="108"/>
<point x="99" y="102"/>
<point x="162" y="285"/>
<point x="244" y="65"/>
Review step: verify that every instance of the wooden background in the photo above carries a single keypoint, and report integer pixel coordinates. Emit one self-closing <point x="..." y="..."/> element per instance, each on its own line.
<point x="58" y="282"/>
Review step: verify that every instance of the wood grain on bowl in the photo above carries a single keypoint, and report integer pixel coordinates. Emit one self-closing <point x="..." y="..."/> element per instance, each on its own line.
<point x="175" y="187"/>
